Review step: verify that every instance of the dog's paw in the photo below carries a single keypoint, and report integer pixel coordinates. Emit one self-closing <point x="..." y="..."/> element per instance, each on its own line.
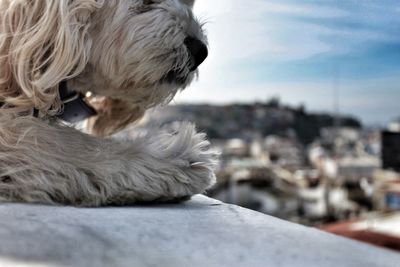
<point x="189" y="160"/>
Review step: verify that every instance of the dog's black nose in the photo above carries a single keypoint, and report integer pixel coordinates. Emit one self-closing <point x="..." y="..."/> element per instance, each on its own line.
<point x="198" y="51"/>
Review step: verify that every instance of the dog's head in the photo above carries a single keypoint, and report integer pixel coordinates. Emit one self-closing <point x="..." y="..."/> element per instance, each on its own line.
<point x="136" y="52"/>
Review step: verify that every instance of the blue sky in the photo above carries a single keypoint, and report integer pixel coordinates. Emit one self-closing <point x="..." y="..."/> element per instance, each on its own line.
<point x="299" y="50"/>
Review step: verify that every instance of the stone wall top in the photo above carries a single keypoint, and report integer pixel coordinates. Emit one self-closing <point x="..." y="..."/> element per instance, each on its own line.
<point x="200" y="232"/>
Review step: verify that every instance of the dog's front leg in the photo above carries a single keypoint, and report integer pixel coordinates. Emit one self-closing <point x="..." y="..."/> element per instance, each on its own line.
<point x="55" y="164"/>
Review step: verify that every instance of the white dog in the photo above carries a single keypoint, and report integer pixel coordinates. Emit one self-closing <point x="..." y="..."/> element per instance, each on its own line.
<point x="130" y="55"/>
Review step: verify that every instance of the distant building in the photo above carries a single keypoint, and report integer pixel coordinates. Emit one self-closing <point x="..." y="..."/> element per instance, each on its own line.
<point x="391" y="150"/>
<point x="386" y="193"/>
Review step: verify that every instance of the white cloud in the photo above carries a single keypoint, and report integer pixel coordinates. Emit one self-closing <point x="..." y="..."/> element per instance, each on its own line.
<point x="243" y="30"/>
<point x="305" y="10"/>
<point x="269" y="28"/>
<point x="246" y="31"/>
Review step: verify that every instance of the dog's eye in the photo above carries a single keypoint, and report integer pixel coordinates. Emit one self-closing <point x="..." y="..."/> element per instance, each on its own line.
<point x="145" y="6"/>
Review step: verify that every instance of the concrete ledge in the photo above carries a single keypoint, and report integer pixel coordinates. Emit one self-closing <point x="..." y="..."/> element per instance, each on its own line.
<point x="201" y="232"/>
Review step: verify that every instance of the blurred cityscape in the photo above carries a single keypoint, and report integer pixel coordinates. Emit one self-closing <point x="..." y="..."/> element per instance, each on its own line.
<point x="316" y="169"/>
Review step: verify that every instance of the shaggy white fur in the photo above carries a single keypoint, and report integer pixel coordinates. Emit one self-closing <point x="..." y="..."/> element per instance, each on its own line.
<point x="131" y="55"/>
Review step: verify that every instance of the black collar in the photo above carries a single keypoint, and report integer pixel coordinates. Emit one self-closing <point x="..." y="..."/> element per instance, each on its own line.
<point x="75" y="108"/>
